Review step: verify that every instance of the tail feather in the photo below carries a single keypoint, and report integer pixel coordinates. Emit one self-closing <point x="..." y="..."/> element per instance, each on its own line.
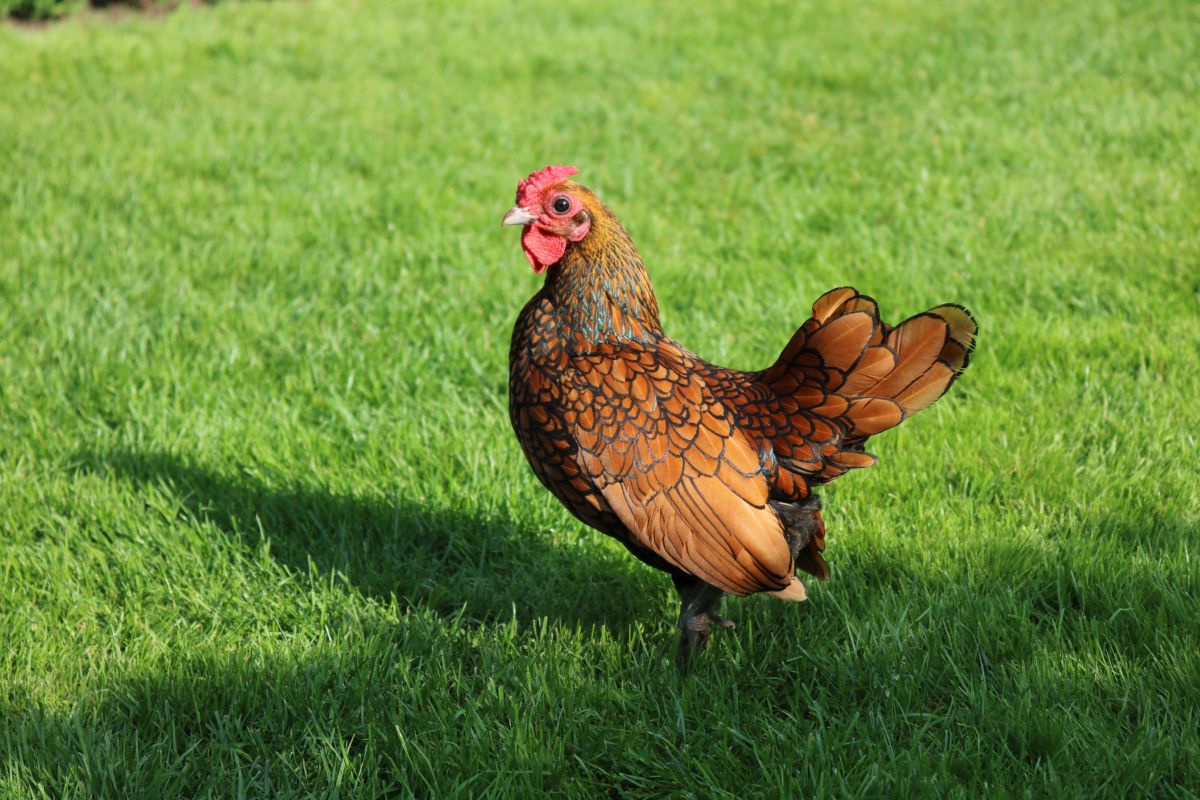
<point x="916" y="344"/>
<point x="847" y="370"/>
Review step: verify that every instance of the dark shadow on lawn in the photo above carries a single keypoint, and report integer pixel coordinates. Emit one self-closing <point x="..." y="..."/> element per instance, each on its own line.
<point x="217" y="722"/>
<point x="425" y="555"/>
<point x="373" y="716"/>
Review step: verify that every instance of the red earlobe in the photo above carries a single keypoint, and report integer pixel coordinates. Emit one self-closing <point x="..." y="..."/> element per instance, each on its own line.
<point x="582" y="230"/>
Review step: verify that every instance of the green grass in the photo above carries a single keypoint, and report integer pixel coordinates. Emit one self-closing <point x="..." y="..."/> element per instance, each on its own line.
<point x="48" y="10"/>
<point x="264" y="530"/>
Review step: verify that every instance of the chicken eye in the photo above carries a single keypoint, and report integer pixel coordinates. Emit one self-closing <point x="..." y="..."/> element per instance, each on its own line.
<point x="561" y="205"/>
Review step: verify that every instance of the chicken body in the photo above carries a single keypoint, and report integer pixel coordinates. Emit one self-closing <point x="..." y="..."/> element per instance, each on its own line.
<point x="703" y="472"/>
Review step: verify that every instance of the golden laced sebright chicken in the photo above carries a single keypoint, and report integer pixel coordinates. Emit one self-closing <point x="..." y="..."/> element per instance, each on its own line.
<point x="701" y="471"/>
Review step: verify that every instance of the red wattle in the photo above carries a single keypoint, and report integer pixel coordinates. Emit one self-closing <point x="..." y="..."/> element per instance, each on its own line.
<point x="542" y="248"/>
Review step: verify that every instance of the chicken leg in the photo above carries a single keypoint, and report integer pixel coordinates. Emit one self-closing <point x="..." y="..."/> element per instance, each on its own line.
<point x="698" y="604"/>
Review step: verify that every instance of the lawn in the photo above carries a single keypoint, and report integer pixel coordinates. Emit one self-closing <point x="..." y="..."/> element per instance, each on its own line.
<point x="264" y="528"/>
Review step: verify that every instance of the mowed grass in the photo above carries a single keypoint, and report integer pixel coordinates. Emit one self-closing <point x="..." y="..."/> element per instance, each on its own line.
<point x="264" y="529"/>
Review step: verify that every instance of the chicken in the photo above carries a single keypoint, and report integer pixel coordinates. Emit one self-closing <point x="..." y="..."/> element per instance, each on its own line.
<point x="704" y="472"/>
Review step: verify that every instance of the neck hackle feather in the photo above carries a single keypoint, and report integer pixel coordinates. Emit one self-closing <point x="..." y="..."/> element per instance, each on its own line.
<point x="600" y="285"/>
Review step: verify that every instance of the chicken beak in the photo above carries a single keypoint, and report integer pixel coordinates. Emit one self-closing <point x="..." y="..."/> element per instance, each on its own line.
<point x="518" y="216"/>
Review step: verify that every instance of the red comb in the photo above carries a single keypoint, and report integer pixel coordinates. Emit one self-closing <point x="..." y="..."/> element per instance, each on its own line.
<point x="530" y="189"/>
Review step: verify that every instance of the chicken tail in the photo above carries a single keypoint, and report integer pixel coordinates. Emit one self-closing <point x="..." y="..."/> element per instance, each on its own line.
<point x="847" y="375"/>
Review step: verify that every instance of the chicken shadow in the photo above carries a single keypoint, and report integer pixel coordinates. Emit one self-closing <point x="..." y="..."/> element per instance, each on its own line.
<point x="267" y="716"/>
<point x="488" y="566"/>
